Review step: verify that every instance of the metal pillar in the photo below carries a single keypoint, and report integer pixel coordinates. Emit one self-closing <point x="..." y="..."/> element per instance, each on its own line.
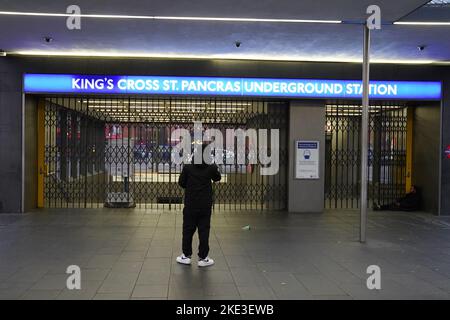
<point x="365" y="134"/>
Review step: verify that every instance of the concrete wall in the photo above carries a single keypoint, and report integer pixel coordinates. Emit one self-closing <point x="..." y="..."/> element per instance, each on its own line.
<point x="306" y="122"/>
<point x="426" y="153"/>
<point x="10" y="139"/>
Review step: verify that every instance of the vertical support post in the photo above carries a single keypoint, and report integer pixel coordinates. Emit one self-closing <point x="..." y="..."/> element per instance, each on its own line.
<point x="365" y="134"/>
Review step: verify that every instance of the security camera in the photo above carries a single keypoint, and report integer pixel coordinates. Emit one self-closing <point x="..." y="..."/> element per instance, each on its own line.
<point x="48" y="39"/>
<point x="237" y="44"/>
<point x="421" y="48"/>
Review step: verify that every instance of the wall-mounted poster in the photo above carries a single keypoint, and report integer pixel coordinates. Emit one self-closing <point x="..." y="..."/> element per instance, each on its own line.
<point x="307" y="160"/>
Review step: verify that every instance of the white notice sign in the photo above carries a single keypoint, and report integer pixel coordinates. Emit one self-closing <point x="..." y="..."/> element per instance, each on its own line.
<point x="307" y="160"/>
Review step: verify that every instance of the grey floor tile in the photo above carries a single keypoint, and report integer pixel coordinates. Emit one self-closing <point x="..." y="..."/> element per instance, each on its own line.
<point x="87" y="292"/>
<point x="158" y="263"/>
<point x="13" y="291"/>
<point x="40" y="295"/>
<point x="103" y="261"/>
<point x="127" y="267"/>
<point x="409" y="283"/>
<point x="159" y="252"/>
<point x="223" y="289"/>
<point x="272" y="266"/>
<point x="107" y="251"/>
<point x="94" y="274"/>
<point x="28" y="274"/>
<point x="6" y="274"/>
<point x="150" y="291"/>
<point x="319" y="285"/>
<point x="360" y="292"/>
<point x="248" y="276"/>
<point x="339" y="276"/>
<point x="165" y="298"/>
<point x="112" y="296"/>
<point x="236" y="261"/>
<point x="51" y="282"/>
<point x="256" y="293"/>
<point x="333" y="297"/>
<point x="234" y="297"/>
<point x="149" y="276"/>
<point x="210" y="275"/>
<point x="119" y="283"/>
<point x="133" y="256"/>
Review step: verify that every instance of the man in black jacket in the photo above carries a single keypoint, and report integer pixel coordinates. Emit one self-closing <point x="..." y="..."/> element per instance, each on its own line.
<point x="196" y="179"/>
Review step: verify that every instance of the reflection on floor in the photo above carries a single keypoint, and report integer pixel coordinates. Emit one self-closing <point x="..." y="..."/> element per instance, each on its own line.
<point x="131" y="255"/>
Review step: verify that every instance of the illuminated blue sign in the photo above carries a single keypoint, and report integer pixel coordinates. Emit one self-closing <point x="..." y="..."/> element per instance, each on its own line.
<point x="211" y="86"/>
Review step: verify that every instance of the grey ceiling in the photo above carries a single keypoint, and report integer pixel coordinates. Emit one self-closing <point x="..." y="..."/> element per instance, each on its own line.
<point x="207" y="38"/>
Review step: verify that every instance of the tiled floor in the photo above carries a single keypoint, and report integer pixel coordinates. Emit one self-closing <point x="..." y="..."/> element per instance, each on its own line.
<point x="129" y="254"/>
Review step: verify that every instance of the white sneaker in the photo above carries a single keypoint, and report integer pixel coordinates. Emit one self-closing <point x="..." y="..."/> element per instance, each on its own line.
<point x="205" y="262"/>
<point x="183" y="259"/>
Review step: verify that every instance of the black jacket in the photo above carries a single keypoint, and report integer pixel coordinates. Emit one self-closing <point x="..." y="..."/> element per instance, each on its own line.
<point x="196" y="180"/>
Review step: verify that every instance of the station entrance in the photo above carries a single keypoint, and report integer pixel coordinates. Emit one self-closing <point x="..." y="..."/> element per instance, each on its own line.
<point x="95" y="149"/>
<point x="99" y="149"/>
<point x="390" y="154"/>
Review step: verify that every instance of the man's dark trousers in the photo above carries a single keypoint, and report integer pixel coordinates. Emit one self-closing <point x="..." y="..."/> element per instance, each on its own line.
<point x="196" y="219"/>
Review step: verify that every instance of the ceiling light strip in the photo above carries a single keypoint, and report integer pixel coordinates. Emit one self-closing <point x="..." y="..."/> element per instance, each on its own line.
<point x="422" y="23"/>
<point x="249" y="57"/>
<point x="113" y="16"/>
